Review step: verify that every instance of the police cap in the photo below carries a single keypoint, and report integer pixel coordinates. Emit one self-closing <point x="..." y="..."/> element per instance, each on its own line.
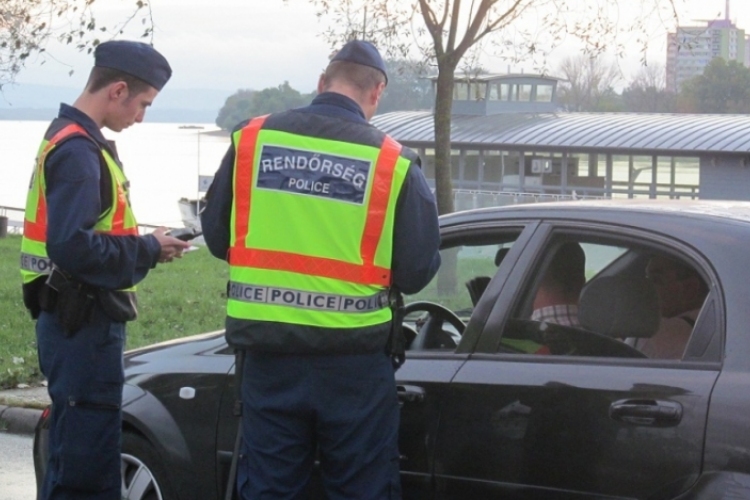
<point x="361" y="52"/>
<point x="136" y="59"/>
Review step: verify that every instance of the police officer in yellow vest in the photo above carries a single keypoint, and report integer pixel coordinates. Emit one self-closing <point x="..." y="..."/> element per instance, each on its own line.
<point x="81" y="258"/>
<point x="319" y="216"/>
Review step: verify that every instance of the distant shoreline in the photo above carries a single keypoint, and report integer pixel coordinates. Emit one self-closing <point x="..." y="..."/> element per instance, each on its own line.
<point x="46" y="115"/>
<point x="217" y="133"/>
<point x="178" y="116"/>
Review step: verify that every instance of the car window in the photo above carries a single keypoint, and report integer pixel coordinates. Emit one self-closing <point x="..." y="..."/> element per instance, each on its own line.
<point x="606" y="298"/>
<point x="464" y="273"/>
<point x="599" y="256"/>
<point x="468" y="265"/>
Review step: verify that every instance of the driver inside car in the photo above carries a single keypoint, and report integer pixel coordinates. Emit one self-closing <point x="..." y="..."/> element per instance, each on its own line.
<point x="556" y="300"/>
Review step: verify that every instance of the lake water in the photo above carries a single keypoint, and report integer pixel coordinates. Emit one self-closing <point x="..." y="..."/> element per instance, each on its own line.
<point x="162" y="162"/>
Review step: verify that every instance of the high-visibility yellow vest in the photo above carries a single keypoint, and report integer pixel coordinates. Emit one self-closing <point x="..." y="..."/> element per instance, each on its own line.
<point x="117" y="219"/>
<point x="312" y="228"/>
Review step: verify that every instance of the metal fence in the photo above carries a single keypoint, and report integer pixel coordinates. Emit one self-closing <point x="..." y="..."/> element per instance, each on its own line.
<point x="14" y="221"/>
<point x="464" y="199"/>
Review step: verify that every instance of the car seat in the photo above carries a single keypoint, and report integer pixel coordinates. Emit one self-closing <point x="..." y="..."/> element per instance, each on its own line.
<point x="620" y="307"/>
<point x="478" y="284"/>
<point x="476" y="287"/>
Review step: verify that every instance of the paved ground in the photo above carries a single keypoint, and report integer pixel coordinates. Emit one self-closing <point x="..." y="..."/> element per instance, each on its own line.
<point x="20" y="409"/>
<point x="17" y="478"/>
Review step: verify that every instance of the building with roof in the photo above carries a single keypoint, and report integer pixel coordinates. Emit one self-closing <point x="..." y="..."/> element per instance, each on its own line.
<point x="691" y="48"/>
<point x="512" y="143"/>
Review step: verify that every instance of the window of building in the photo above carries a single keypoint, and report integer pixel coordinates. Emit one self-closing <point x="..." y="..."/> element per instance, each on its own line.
<point x="544" y="93"/>
<point x="461" y="91"/>
<point x="524" y="92"/>
<point x="478" y="90"/>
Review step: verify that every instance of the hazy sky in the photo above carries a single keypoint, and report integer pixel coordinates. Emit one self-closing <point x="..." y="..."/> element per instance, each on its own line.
<point x="232" y="44"/>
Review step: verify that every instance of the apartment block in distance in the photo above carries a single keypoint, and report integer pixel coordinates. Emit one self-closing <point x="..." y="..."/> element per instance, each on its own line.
<point x="691" y="48"/>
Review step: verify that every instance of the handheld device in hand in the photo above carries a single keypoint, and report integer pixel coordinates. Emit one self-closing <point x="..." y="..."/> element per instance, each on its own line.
<point x="185" y="233"/>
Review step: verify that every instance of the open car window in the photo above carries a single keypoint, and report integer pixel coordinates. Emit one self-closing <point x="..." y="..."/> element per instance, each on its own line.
<point x="474" y="267"/>
<point x="468" y="265"/>
<point x="606" y="298"/>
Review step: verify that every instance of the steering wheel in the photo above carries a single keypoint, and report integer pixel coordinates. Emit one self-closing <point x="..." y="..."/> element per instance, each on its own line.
<point x="430" y="333"/>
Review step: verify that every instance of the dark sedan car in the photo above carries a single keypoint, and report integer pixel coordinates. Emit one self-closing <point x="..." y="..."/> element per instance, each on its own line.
<point x="500" y="403"/>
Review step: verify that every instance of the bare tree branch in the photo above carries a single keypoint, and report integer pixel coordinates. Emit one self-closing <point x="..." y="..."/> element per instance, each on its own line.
<point x="461" y="27"/>
<point x="26" y="26"/>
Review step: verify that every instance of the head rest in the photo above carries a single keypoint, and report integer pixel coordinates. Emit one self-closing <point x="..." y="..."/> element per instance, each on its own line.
<point x="500" y="255"/>
<point x="620" y="307"/>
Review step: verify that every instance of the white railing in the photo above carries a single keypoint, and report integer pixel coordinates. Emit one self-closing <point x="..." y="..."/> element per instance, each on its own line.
<point x="466" y="199"/>
<point x="13" y="219"/>
<point x="15" y="216"/>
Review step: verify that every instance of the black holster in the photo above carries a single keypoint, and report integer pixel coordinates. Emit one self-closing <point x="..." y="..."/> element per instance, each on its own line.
<point x="396" y="346"/>
<point x="118" y="305"/>
<point x="32" y="296"/>
<point x="74" y="301"/>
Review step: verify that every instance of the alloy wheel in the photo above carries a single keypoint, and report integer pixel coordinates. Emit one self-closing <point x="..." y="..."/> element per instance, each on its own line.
<point x="138" y="482"/>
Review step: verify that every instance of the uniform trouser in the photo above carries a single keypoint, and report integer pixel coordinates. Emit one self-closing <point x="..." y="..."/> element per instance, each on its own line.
<point x="85" y="378"/>
<point x="346" y="405"/>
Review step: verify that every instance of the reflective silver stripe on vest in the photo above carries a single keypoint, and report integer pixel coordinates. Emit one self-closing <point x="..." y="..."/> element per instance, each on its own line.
<point x="35" y="264"/>
<point x="307" y="300"/>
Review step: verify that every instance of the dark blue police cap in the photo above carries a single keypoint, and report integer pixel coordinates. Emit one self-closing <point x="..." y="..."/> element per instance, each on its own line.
<point x="361" y="52"/>
<point x="136" y="59"/>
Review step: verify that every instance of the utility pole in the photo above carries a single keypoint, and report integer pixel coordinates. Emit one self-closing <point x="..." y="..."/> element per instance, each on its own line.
<point x="364" y="24"/>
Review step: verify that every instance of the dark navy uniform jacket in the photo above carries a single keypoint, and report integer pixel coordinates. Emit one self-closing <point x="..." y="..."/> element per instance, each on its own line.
<point x="416" y="238"/>
<point x="75" y="188"/>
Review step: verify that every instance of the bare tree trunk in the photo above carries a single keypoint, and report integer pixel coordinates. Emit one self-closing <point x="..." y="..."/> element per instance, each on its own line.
<point x="447" y="277"/>
<point x="443" y="105"/>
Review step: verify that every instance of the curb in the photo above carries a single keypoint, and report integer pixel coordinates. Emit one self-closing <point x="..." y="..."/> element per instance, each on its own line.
<point x="17" y="420"/>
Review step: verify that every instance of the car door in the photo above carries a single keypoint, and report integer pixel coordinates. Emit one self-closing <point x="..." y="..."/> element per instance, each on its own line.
<point x="469" y="253"/>
<point x="586" y="422"/>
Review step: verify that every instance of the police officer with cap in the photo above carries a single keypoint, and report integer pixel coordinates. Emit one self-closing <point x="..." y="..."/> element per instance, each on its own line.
<point x="321" y="217"/>
<point x="81" y="259"/>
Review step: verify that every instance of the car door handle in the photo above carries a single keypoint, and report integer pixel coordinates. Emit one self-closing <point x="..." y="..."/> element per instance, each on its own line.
<point x="410" y="394"/>
<point x="652" y="412"/>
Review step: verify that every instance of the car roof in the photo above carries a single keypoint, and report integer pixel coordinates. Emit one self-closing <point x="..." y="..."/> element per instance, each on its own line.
<point x="728" y="210"/>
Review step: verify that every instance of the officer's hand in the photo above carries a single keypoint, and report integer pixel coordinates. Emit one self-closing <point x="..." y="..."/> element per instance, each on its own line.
<point x="171" y="248"/>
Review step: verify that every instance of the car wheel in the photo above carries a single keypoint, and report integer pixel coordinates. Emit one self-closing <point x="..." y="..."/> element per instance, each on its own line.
<point x="143" y="477"/>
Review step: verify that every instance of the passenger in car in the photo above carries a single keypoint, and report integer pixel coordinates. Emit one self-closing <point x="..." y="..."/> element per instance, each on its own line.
<point x="681" y="293"/>
<point x="556" y="300"/>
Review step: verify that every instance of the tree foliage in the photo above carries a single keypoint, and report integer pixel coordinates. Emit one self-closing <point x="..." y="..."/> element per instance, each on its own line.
<point x="245" y="104"/>
<point x="408" y="87"/>
<point x="589" y="84"/>
<point x="26" y="26"/>
<point x="647" y="92"/>
<point x="449" y="32"/>
<point x="724" y="87"/>
<point x="407" y="90"/>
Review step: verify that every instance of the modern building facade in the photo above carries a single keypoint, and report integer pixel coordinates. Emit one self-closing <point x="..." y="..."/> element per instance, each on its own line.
<point x="511" y="144"/>
<point x="691" y="48"/>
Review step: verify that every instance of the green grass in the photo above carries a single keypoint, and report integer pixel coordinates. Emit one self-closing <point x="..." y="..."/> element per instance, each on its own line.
<point x="175" y="300"/>
<point x="183" y="298"/>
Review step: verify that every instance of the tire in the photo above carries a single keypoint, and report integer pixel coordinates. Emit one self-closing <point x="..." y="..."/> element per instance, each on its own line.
<point x="142" y="473"/>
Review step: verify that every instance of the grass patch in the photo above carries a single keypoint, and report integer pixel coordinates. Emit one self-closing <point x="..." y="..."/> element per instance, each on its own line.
<point x="175" y="300"/>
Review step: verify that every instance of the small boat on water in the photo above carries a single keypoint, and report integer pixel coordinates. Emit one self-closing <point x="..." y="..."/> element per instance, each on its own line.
<point x="189" y="210"/>
<point x="191" y="207"/>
